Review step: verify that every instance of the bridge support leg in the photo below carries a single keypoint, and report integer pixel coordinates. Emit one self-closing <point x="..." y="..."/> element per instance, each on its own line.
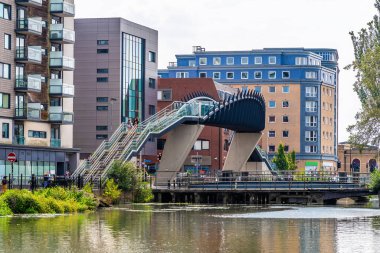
<point x="173" y="197"/>
<point x="240" y="150"/>
<point x="177" y="147"/>
<point x="251" y="199"/>
<point x="197" y="198"/>
<point x="159" y="197"/>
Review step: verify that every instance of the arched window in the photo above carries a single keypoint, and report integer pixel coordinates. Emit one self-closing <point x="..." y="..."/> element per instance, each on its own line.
<point x="356" y="165"/>
<point x="372" y="165"/>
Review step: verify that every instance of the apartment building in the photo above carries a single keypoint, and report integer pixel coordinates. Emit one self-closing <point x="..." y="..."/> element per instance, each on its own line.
<point x="36" y="86"/>
<point x="115" y="78"/>
<point x="300" y="87"/>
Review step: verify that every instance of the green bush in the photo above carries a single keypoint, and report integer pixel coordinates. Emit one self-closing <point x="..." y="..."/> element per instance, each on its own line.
<point x="111" y="192"/>
<point x="374" y="184"/>
<point x="4" y="208"/>
<point x="143" y="194"/>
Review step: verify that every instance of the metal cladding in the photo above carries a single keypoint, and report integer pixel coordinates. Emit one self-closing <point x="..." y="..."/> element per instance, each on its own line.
<point x="243" y="112"/>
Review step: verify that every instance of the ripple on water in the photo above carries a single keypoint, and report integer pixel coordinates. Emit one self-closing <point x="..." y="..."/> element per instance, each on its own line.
<point x="308" y="213"/>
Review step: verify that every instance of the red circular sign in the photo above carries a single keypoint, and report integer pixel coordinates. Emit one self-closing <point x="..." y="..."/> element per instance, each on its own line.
<point x="11" y="157"/>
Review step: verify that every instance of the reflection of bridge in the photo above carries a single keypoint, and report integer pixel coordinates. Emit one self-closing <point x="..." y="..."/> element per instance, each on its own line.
<point x="264" y="189"/>
<point x="243" y="113"/>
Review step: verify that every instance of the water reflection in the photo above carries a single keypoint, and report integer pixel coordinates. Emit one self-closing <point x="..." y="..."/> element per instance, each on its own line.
<point x="155" y="228"/>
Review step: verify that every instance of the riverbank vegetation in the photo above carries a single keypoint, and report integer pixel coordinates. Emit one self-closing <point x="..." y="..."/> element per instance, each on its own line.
<point x="48" y="201"/>
<point x="130" y="180"/>
<point x="374" y="183"/>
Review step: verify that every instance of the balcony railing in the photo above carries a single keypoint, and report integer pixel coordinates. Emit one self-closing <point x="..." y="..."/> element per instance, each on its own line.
<point x="30" y="83"/>
<point x="62" y="8"/>
<point x="58" y="61"/>
<point x="29" y="2"/>
<point x="32" y="111"/>
<point x="60" y="34"/>
<point x="57" y="115"/>
<point x="31" y="54"/>
<point x="18" y="140"/>
<point x="29" y="26"/>
<point x="56" y="143"/>
<point x="58" y="88"/>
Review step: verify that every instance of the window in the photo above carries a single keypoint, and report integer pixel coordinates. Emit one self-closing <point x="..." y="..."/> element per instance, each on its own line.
<point x="161" y="144"/>
<point x="258" y="89"/>
<point x="164" y="95"/>
<point x="272" y="59"/>
<point x="272" y="119"/>
<point x="244" y="75"/>
<point x="285" y="133"/>
<point x="182" y="75"/>
<point x="152" y="83"/>
<point x="272" y="104"/>
<point x="244" y="60"/>
<point x="216" y="61"/>
<point x="205" y="145"/>
<point x="258" y="75"/>
<point x="151" y="56"/>
<point x="286" y="148"/>
<point x="36" y="134"/>
<point x="102" y="51"/>
<point x="7" y="41"/>
<point x="272" y="134"/>
<point x="5" y="71"/>
<point x="203" y="61"/>
<point x="5" y="101"/>
<point x="330" y="105"/>
<point x="5" y="130"/>
<point x="101" y="128"/>
<point x="152" y="110"/>
<point x="102" y="79"/>
<point x="301" y="61"/>
<point x="201" y="145"/>
<point x="102" y="99"/>
<point x="271" y="148"/>
<point x="102" y="108"/>
<point x="102" y="136"/>
<point x="311" y="121"/>
<point x="230" y="75"/>
<point x="311" y="149"/>
<point x="202" y="74"/>
<point x="5" y="11"/>
<point x="285" y="89"/>
<point x="230" y="60"/>
<point x="216" y="75"/>
<point x="272" y="89"/>
<point x="197" y="145"/>
<point x="311" y="75"/>
<point x="272" y="74"/>
<point x="102" y="42"/>
<point x="258" y="60"/>
<point x="311" y="136"/>
<point x="285" y="118"/>
<point x="285" y="104"/>
<point x="285" y="74"/>
<point x="311" y="92"/>
<point x="102" y="71"/>
<point x="191" y="63"/>
<point x="311" y="106"/>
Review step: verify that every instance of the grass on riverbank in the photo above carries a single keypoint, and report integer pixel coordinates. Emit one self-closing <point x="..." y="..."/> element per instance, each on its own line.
<point x="50" y="200"/>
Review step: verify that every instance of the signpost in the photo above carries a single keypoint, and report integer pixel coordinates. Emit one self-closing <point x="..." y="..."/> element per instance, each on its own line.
<point x="12" y="159"/>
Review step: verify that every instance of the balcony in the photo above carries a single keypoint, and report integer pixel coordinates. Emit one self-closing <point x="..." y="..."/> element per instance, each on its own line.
<point x="62" y="8"/>
<point x="35" y="3"/>
<point x="30" y="83"/>
<point x="60" y="62"/>
<point x="55" y="143"/>
<point x="31" y="54"/>
<point x="56" y="115"/>
<point x="18" y="140"/>
<point x="61" y="35"/>
<point x="31" y="112"/>
<point x="59" y="89"/>
<point x="29" y="26"/>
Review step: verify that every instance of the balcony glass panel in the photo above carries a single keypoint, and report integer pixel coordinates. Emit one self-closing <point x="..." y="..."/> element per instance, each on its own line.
<point x="55" y="143"/>
<point x="32" y="82"/>
<point x="58" y="60"/>
<point x="30" y="2"/>
<point x="30" y="24"/>
<point x="19" y="140"/>
<point x="56" y="114"/>
<point x="57" y="32"/>
<point x="57" y="87"/>
<point x="29" y="53"/>
<point x="61" y="6"/>
<point x="34" y="110"/>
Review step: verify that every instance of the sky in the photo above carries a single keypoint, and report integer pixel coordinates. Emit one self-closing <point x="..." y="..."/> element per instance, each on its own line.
<point x="246" y="25"/>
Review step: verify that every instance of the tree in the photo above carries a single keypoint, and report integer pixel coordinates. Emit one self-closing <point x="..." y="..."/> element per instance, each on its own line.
<point x="292" y="160"/>
<point x="367" y="85"/>
<point x="280" y="159"/>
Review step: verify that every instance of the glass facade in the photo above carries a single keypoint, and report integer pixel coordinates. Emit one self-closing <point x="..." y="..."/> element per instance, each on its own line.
<point x="133" y="65"/>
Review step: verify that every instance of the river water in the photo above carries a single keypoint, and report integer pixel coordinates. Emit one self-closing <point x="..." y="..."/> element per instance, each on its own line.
<point x="192" y="228"/>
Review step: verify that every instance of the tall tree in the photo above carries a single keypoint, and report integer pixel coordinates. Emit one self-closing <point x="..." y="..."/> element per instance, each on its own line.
<point x="367" y="85"/>
<point x="292" y="160"/>
<point x="280" y="159"/>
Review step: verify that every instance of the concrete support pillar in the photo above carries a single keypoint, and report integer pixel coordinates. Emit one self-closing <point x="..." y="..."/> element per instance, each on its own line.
<point x="173" y="197"/>
<point x="159" y="197"/>
<point x="178" y="145"/>
<point x="197" y="198"/>
<point x="251" y="199"/>
<point x="225" y="198"/>
<point x="240" y="150"/>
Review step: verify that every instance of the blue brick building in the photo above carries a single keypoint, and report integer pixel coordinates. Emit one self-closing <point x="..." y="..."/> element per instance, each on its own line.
<point x="300" y="86"/>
